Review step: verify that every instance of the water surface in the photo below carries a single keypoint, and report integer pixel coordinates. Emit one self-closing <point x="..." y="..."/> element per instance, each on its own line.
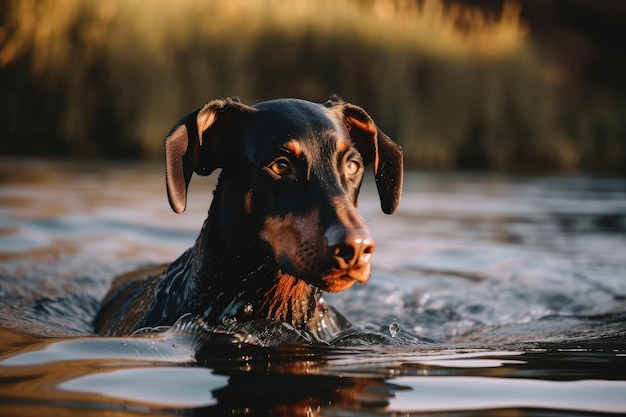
<point x="490" y="295"/>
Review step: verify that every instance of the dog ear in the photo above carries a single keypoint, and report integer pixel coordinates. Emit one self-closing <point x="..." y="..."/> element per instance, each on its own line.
<point x="199" y="142"/>
<point x="376" y="148"/>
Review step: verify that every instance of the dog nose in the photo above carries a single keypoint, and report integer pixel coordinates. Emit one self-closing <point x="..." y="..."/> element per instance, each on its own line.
<point x="349" y="247"/>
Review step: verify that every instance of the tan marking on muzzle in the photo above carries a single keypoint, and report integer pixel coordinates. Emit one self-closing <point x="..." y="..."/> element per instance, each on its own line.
<point x="287" y="234"/>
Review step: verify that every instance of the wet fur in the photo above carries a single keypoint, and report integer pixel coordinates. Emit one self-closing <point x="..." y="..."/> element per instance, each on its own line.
<point x="271" y="243"/>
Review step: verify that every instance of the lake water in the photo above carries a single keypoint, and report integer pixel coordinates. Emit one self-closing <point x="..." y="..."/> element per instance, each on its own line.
<point x="490" y="295"/>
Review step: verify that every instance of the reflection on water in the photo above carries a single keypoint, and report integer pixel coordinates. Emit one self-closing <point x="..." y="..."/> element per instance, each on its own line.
<point x="521" y="281"/>
<point x="144" y="375"/>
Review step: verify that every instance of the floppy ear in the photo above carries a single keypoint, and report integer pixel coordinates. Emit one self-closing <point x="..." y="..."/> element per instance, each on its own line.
<point x="377" y="148"/>
<point x="199" y="142"/>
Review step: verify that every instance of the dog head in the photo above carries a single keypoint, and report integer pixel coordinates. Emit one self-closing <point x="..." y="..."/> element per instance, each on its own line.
<point x="295" y="169"/>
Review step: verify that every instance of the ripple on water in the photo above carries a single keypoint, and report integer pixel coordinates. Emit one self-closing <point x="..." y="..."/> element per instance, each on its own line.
<point x="487" y="293"/>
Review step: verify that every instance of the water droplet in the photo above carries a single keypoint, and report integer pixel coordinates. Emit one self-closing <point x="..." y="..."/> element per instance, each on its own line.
<point x="394" y="329"/>
<point x="248" y="309"/>
<point x="229" y="320"/>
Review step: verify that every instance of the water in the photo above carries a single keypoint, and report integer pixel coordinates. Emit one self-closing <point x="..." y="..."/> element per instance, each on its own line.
<point x="490" y="295"/>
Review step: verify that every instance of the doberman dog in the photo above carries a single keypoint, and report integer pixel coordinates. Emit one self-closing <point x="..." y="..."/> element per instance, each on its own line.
<point x="283" y="225"/>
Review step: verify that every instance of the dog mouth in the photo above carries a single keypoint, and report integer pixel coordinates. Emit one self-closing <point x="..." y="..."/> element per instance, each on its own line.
<point x="336" y="280"/>
<point x="332" y="279"/>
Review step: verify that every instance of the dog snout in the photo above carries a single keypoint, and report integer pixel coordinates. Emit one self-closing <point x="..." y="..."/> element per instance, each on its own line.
<point x="349" y="247"/>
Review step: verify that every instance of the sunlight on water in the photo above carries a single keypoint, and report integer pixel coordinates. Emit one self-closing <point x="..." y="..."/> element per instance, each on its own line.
<point x="153" y="385"/>
<point x="466" y="393"/>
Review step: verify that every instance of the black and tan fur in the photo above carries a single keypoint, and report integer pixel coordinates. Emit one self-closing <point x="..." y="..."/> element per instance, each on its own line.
<point x="283" y="225"/>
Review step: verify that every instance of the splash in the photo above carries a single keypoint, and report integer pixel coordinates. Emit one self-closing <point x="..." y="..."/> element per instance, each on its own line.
<point x="394" y="329"/>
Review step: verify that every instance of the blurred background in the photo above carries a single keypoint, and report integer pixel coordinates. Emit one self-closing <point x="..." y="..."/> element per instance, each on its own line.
<point x="529" y="86"/>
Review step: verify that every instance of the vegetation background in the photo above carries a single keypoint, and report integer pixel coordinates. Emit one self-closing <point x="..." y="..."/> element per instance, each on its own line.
<point x="516" y="86"/>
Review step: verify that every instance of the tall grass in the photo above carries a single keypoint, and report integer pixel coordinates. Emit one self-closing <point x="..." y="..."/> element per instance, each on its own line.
<point x="457" y="87"/>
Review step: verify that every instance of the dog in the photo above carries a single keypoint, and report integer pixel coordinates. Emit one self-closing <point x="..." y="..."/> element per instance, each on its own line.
<point x="282" y="226"/>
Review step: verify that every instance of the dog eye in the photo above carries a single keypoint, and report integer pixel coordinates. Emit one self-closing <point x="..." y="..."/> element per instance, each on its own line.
<point x="279" y="167"/>
<point x="352" y="167"/>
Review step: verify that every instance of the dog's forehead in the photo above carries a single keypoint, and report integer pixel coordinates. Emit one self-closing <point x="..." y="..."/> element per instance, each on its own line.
<point x="292" y="124"/>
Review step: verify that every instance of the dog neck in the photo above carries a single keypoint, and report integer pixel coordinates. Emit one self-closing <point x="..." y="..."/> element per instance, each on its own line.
<point x="233" y="273"/>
